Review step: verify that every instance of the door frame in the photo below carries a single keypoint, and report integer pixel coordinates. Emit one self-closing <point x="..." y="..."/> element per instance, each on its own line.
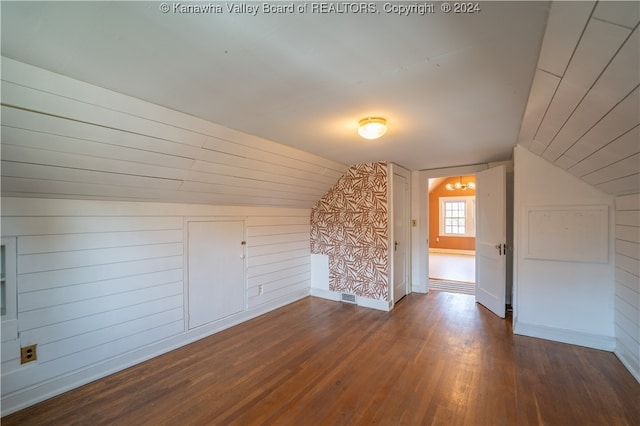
<point x="392" y="170"/>
<point x="420" y="210"/>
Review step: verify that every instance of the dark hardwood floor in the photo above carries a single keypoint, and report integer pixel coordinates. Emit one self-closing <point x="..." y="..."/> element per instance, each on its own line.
<point x="436" y="359"/>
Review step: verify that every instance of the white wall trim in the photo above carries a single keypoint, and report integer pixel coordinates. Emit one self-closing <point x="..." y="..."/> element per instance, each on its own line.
<point x="393" y="170"/>
<point x="42" y="391"/>
<point x="631" y="366"/>
<point x="325" y="294"/>
<point x="573" y="337"/>
<point x="381" y="305"/>
<point x="420" y="288"/>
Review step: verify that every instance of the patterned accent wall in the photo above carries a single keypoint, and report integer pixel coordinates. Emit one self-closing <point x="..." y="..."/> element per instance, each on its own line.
<point x="350" y="225"/>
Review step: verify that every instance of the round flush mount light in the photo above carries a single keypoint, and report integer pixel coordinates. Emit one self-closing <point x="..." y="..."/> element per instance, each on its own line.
<point x="372" y="127"/>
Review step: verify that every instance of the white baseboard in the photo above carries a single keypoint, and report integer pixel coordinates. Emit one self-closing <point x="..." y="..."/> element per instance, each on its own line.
<point x="420" y="288"/>
<point x="325" y="294"/>
<point x="633" y="368"/>
<point x="595" y="341"/>
<point x="42" y="391"/>
<point x="382" y="305"/>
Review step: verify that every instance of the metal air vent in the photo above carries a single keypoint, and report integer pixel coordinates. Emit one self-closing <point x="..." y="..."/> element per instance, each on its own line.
<point x="349" y="298"/>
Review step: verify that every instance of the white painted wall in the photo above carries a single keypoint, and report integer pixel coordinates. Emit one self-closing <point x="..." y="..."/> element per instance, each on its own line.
<point x="102" y="284"/>
<point x="572" y="302"/>
<point x="627" y="302"/>
<point x="319" y="272"/>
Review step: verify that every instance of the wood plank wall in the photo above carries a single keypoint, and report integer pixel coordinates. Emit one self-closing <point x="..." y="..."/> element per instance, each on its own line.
<point x="97" y="188"/>
<point x="279" y="257"/>
<point x="63" y="138"/>
<point x="583" y="109"/>
<point x="627" y="304"/>
<point x="101" y="282"/>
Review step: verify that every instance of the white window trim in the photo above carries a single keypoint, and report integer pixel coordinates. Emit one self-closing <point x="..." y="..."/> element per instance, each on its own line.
<point x="470" y="203"/>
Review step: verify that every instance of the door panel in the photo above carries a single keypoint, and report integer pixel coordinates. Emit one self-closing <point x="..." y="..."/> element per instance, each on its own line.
<point x="491" y="251"/>
<point x="400" y="236"/>
<point x="215" y="271"/>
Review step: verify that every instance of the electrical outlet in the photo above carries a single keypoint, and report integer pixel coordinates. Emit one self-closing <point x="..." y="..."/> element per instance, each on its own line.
<point x="28" y="354"/>
<point x="260" y="290"/>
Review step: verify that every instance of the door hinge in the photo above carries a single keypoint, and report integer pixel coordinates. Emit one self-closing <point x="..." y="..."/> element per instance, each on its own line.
<point x="502" y="249"/>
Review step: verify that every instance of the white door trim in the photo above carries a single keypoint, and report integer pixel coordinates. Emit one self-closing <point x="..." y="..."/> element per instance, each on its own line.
<point x="393" y="170"/>
<point x="420" y="211"/>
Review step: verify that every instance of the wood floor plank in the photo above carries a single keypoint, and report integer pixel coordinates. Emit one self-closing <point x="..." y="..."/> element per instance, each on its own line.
<point x="437" y="359"/>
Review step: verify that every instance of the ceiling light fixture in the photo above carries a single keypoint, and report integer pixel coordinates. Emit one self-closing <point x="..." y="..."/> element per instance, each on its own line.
<point x="460" y="185"/>
<point x="372" y="127"/>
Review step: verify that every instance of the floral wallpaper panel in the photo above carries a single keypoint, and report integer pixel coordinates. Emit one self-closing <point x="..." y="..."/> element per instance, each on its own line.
<point x="350" y="225"/>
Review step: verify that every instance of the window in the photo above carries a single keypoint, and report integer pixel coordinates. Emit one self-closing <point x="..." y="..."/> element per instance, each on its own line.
<point x="457" y="218"/>
<point x="454" y="217"/>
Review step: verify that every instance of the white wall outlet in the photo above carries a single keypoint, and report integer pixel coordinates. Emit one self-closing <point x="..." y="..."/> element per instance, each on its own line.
<point x="260" y="290"/>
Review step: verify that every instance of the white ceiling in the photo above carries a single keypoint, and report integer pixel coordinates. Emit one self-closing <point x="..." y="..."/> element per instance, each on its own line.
<point x="453" y="87"/>
<point x="561" y="79"/>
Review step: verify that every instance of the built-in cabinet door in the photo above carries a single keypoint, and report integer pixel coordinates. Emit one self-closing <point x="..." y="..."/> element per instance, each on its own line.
<point x="216" y="284"/>
<point x="400" y="232"/>
<point x="8" y="288"/>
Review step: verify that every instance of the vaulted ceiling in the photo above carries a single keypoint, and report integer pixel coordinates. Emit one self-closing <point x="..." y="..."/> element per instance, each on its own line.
<point x="560" y="79"/>
<point x="583" y="112"/>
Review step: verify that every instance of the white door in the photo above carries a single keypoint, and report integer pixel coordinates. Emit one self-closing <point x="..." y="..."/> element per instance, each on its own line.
<point x="491" y="237"/>
<point x="215" y="270"/>
<point x="400" y="236"/>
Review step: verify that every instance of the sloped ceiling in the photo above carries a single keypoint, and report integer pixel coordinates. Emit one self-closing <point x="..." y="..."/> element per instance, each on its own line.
<point x="454" y="88"/>
<point x="583" y="112"/>
<point x="62" y="138"/>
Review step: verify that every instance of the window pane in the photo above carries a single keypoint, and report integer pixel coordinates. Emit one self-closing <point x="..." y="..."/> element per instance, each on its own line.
<point x="454" y="217"/>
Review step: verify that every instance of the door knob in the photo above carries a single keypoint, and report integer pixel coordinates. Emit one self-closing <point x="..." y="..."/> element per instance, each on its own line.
<point x="499" y="247"/>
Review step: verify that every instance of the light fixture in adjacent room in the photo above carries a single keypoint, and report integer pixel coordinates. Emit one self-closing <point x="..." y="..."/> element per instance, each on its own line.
<point x="460" y="185"/>
<point x="372" y="127"/>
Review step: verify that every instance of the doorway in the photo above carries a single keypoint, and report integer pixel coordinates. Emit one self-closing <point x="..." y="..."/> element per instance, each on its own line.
<point x="452" y="234"/>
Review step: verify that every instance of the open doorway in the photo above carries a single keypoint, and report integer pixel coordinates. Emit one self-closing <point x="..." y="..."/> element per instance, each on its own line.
<point x="452" y="234"/>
